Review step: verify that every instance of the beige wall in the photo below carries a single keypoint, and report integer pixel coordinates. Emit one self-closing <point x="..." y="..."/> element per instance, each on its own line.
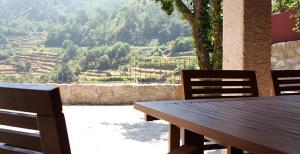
<point x="118" y="93"/>
<point x="286" y="55"/>
<point x="247" y="39"/>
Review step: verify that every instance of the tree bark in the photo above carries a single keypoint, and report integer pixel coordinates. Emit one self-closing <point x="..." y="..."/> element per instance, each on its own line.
<point x="202" y="53"/>
<point x="217" y="25"/>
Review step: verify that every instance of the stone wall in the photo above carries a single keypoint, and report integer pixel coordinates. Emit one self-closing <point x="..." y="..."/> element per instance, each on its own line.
<point x="118" y="93"/>
<point x="286" y="55"/>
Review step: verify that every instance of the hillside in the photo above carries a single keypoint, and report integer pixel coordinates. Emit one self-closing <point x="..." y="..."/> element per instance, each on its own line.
<point x="91" y="41"/>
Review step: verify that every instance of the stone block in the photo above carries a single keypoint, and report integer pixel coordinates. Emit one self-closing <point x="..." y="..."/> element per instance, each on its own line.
<point x="297" y="59"/>
<point x="290" y="53"/>
<point x="277" y="53"/>
<point x="274" y="59"/>
<point x="298" y="50"/>
<point x="280" y="65"/>
<point x="293" y="44"/>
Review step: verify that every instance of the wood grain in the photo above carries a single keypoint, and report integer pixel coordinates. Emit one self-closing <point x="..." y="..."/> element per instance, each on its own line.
<point x="254" y="124"/>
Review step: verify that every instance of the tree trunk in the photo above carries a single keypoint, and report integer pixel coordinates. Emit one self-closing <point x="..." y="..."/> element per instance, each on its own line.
<point x="202" y="54"/>
<point x="217" y="25"/>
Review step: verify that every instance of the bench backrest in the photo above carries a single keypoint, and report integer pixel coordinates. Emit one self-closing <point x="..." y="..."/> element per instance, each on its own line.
<point x="286" y="82"/>
<point x="32" y="120"/>
<point x="218" y="83"/>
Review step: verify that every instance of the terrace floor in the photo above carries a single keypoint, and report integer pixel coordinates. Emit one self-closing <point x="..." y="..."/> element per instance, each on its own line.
<point x="114" y="130"/>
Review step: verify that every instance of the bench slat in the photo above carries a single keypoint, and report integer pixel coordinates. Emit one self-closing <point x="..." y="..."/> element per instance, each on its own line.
<point x="21" y="139"/>
<point x="30" y="100"/>
<point x="18" y="120"/>
<point x="14" y="150"/>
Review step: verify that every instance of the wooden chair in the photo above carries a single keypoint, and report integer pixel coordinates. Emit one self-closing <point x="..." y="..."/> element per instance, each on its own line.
<point x="205" y="84"/>
<point x="32" y="120"/>
<point x="286" y="82"/>
<point x="200" y="84"/>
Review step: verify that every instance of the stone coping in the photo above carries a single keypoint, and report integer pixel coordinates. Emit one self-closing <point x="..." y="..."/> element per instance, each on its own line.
<point x="99" y="94"/>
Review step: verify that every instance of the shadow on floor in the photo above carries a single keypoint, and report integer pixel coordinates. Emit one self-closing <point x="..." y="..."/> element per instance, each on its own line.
<point x="142" y="131"/>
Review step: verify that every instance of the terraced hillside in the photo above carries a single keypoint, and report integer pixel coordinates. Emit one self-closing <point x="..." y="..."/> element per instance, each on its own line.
<point x="33" y="64"/>
<point x="144" y="71"/>
<point x="30" y="61"/>
<point x="25" y="42"/>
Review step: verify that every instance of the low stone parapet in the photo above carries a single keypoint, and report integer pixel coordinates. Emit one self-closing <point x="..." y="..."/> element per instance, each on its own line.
<point x="286" y="56"/>
<point x="93" y="94"/>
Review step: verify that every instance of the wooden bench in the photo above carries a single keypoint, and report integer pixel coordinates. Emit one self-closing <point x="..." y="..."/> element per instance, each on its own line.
<point x="286" y="82"/>
<point x="33" y="120"/>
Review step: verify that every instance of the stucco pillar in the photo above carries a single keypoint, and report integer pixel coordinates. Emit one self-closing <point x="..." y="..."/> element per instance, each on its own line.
<point x="247" y="39"/>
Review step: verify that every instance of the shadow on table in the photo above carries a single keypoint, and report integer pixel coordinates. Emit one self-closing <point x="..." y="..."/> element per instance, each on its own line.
<point x="143" y="131"/>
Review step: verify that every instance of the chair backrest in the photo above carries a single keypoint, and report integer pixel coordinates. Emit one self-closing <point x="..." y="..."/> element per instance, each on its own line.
<point x="286" y="82"/>
<point x="32" y="120"/>
<point x="218" y="83"/>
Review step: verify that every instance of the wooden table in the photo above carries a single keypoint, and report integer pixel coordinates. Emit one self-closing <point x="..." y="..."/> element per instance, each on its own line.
<point x="254" y="124"/>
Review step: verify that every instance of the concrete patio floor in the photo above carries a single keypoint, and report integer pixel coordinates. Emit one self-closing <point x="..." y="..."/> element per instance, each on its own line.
<point x="114" y="130"/>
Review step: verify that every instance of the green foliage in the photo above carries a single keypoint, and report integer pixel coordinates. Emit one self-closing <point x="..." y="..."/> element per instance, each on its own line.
<point x="4" y="55"/>
<point x="204" y="19"/>
<point x="44" y="78"/>
<point x="206" y="30"/>
<point x="118" y="50"/>
<point x="104" y="37"/>
<point x="103" y="63"/>
<point x="137" y="23"/>
<point x="103" y="58"/>
<point x="70" y="50"/>
<point x="23" y="67"/>
<point x="135" y="53"/>
<point x="284" y="5"/>
<point x="182" y="44"/>
<point x="152" y="80"/>
<point x="62" y="74"/>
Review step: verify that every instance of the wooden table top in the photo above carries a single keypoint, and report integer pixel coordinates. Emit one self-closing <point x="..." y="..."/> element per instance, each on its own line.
<point x="254" y="124"/>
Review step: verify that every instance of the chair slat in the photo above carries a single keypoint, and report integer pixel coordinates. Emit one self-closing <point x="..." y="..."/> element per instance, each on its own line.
<point x="21" y="139"/>
<point x="220" y="83"/>
<point x="286" y="73"/>
<point x="290" y="88"/>
<point x="284" y="80"/>
<point x="208" y="96"/>
<point x="295" y="93"/>
<point x="18" y="120"/>
<point x="222" y="74"/>
<point x="221" y="91"/>
<point x="291" y="81"/>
